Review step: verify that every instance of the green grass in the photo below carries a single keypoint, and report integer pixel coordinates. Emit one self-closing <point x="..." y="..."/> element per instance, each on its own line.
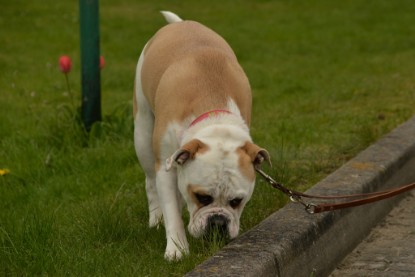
<point x="328" y="78"/>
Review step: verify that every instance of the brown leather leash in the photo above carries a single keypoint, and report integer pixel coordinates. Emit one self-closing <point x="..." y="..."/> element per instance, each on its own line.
<point x="366" y="198"/>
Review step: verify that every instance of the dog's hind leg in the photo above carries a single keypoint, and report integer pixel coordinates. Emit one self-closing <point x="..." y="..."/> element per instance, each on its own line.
<point x="143" y="133"/>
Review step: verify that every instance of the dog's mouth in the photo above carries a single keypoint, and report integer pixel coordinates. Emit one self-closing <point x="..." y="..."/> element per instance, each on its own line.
<point x="211" y="225"/>
<point x="217" y="227"/>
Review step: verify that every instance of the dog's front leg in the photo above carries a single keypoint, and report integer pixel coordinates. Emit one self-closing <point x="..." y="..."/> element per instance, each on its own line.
<point x="177" y="245"/>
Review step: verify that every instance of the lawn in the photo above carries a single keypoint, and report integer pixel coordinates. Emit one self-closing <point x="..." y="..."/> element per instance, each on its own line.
<point x="328" y="79"/>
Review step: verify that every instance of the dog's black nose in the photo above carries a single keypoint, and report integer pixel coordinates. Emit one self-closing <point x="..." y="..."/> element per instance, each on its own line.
<point x="217" y="222"/>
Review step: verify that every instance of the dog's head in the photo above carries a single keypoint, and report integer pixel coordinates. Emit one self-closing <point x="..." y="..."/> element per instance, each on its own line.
<point x="216" y="179"/>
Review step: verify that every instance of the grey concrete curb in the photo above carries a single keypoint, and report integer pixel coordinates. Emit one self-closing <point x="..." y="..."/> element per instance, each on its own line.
<point x="291" y="242"/>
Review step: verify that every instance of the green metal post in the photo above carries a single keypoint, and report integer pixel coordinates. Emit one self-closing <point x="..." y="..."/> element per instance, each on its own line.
<point x="91" y="79"/>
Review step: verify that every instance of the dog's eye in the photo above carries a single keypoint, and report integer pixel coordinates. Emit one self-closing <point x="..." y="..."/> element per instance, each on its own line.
<point x="235" y="202"/>
<point x="204" y="199"/>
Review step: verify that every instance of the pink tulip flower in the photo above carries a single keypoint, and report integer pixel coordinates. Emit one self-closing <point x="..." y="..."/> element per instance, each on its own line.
<point x="101" y="62"/>
<point x="65" y="64"/>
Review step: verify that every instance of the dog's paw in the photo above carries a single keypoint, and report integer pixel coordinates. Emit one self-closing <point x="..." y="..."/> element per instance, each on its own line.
<point x="176" y="254"/>
<point x="175" y="251"/>
<point x="156" y="218"/>
<point x="172" y="256"/>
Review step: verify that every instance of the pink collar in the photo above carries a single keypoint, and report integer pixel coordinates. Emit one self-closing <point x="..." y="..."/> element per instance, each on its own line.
<point x="208" y="114"/>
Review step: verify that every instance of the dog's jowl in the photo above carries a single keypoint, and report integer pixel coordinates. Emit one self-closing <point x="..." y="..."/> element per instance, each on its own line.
<point x="192" y="109"/>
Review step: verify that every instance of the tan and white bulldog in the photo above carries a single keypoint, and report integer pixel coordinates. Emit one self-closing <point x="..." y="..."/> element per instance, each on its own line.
<point x="192" y="109"/>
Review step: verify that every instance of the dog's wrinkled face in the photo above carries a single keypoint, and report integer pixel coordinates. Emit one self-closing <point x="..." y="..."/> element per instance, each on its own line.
<point x="216" y="180"/>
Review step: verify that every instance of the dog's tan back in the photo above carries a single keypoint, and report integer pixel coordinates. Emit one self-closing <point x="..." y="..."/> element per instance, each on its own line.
<point x="198" y="72"/>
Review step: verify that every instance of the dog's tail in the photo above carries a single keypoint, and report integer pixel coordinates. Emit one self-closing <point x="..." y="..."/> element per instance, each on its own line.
<point x="171" y="17"/>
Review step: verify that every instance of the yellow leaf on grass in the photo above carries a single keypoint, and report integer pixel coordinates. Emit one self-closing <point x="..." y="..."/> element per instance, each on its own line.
<point x="4" y="172"/>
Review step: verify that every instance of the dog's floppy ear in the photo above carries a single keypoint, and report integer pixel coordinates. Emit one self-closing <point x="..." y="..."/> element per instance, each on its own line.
<point x="256" y="153"/>
<point x="186" y="152"/>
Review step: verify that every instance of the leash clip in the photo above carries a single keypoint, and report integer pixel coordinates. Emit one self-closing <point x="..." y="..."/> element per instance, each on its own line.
<point x="294" y="197"/>
<point x="309" y="207"/>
